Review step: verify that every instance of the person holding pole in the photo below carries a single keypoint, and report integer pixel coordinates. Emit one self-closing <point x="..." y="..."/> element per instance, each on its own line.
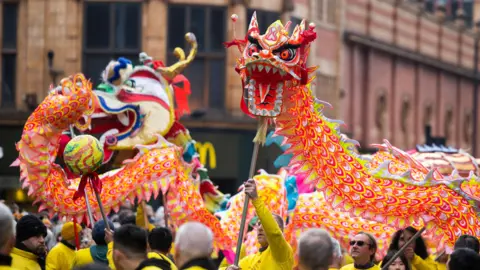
<point x="275" y="252"/>
<point x="416" y="252"/>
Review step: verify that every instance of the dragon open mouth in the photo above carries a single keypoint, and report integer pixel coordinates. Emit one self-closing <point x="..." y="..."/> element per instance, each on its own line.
<point x="113" y="122"/>
<point x="264" y="88"/>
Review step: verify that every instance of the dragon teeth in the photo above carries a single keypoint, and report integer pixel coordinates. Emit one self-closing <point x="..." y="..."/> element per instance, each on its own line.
<point x="282" y="73"/>
<point x="274" y="70"/>
<point x="260" y="67"/>
<point x="267" y="69"/>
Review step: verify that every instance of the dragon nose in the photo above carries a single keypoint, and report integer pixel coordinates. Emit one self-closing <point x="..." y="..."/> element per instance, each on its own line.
<point x="265" y="53"/>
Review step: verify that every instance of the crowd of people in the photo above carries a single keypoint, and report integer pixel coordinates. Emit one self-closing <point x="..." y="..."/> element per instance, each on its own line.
<point x="34" y="242"/>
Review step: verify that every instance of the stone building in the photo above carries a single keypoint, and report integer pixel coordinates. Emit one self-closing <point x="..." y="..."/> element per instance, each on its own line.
<point x="388" y="67"/>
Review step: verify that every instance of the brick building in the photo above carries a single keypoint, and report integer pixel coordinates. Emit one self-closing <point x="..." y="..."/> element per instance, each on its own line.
<point x="388" y="67"/>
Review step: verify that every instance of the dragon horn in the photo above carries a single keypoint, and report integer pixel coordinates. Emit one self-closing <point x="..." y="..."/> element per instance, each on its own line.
<point x="175" y="69"/>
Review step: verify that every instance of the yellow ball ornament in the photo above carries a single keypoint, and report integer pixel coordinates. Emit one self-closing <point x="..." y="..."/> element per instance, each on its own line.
<point x="83" y="154"/>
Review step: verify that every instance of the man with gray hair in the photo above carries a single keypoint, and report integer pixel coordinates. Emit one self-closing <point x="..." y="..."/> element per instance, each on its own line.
<point x="193" y="247"/>
<point x="337" y="255"/>
<point x="7" y="236"/>
<point x="315" y="250"/>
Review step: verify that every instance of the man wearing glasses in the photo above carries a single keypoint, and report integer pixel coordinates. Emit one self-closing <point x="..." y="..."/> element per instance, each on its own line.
<point x="362" y="249"/>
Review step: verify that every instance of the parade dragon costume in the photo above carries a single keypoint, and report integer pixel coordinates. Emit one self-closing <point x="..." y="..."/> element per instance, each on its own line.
<point x="133" y="113"/>
<point x="390" y="188"/>
<point x="307" y="208"/>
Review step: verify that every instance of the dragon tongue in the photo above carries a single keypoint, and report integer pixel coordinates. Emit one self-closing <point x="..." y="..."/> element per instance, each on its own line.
<point x="264" y="89"/>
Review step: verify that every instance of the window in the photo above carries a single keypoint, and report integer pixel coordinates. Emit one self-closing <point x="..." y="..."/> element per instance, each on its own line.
<point x="9" y="54"/>
<point x="207" y="72"/>
<point x="111" y="30"/>
<point x="327" y="11"/>
<point x="264" y="18"/>
<point x="325" y="86"/>
<point x="452" y="7"/>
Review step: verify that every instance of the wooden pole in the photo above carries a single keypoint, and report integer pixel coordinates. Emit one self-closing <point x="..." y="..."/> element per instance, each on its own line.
<point x="253" y="164"/>
<point x="402" y="249"/>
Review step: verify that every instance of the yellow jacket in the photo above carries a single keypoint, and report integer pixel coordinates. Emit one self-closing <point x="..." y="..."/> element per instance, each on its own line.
<point x="155" y="255"/>
<point x="140" y="219"/>
<point x="84" y="256"/>
<point x="24" y="260"/>
<point x="60" y="257"/>
<point x="150" y="255"/>
<point x="279" y="254"/>
<point x="352" y="267"/>
<point x="420" y="264"/>
<point x="140" y="222"/>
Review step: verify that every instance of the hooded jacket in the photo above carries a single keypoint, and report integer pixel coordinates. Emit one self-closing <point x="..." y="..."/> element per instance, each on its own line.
<point x="199" y="264"/>
<point x="154" y="264"/>
<point x="90" y="255"/>
<point x="61" y="256"/>
<point x="160" y="256"/>
<point x="24" y="260"/>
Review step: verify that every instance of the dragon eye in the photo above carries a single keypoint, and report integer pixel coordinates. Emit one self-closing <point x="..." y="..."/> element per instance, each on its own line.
<point x="287" y="54"/>
<point x="252" y="48"/>
<point x="130" y="83"/>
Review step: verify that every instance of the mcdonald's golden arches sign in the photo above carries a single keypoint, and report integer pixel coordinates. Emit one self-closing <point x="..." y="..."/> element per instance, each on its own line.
<point x="206" y="151"/>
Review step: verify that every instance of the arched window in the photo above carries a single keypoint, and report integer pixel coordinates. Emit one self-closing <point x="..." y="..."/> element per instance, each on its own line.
<point x="447" y="124"/>
<point x="381" y="114"/>
<point x="405" y="115"/>
<point x="427" y="115"/>
<point x="467" y="128"/>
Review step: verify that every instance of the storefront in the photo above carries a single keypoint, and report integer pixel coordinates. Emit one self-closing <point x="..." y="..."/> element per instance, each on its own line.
<point x="10" y="188"/>
<point x="227" y="155"/>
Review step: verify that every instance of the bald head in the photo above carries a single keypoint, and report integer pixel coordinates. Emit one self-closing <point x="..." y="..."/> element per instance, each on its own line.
<point x="193" y="240"/>
<point x="7" y="227"/>
<point x="315" y="250"/>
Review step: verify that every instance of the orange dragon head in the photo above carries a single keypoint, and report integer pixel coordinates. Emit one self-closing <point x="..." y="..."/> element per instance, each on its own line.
<point x="271" y="64"/>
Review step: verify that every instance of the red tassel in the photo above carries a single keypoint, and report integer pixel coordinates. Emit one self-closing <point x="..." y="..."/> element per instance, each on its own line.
<point x="95" y="183"/>
<point x="77" y="239"/>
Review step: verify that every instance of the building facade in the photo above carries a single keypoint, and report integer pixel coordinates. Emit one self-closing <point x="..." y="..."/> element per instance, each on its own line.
<point x="388" y="67"/>
<point x="405" y="68"/>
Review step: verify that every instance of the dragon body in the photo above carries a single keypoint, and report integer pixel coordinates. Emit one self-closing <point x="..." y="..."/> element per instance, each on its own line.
<point x="147" y="152"/>
<point x="392" y="188"/>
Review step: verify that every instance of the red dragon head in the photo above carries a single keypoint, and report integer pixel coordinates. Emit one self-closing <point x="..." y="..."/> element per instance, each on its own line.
<point x="271" y="64"/>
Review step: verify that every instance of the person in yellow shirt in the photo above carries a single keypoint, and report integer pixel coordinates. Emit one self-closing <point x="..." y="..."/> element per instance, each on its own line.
<point x="193" y="247"/>
<point x="95" y="253"/>
<point x="7" y="237"/>
<point x="62" y="254"/>
<point x="416" y="253"/>
<point x="30" y="249"/>
<point x="160" y="242"/>
<point x="275" y="252"/>
<point x="400" y="263"/>
<point x="315" y="250"/>
<point x="130" y="250"/>
<point x="362" y="249"/>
